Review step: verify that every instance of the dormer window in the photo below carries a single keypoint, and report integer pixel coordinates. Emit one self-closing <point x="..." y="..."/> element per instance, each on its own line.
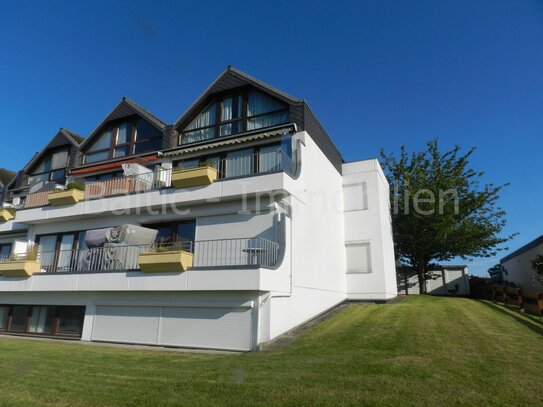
<point x="234" y="114"/>
<point x="123" y="139"/>
<point x="52" y="168"/>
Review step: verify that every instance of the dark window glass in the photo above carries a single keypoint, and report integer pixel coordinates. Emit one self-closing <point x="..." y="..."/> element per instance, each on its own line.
<point x="94" y="157"/>
<point x="58" y="175"/>
<point x="186" y="231"/>
<point x="175" y="231"/>
<point x="150" y="145"/>
<point x="5" y="250"/>
<point x="4" y="315"/>
<point x="70" y="320"/>
<point x="19" y="315"/>
<point x="121" y="151"/>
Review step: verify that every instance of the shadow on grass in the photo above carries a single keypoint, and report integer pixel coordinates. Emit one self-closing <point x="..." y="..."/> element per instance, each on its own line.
<point x="533" y="325"/>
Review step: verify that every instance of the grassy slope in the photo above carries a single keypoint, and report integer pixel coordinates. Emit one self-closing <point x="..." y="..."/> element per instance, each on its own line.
<point x="458" y="352"/>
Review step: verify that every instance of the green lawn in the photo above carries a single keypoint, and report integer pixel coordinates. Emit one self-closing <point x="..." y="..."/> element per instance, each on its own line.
<point x="423" y="351"/>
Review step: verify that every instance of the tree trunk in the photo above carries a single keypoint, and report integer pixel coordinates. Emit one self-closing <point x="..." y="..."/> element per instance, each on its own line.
<point x="421" y="271"/>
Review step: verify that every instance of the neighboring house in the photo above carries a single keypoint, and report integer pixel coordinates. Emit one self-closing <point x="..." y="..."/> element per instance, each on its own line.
<point x="253" y="200"/>
<point x="518" y="265"/>
<point x="6" y="176"/>
<point x="450" y="280"/>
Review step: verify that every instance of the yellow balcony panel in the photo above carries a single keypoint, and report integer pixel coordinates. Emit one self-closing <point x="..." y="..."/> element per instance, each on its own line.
<point x="19" y="268"/>
<point x="165" y="262"/>
<point x="5" y="215"/>
<point x="193" y="177"/>
<point x="66" y="197"/>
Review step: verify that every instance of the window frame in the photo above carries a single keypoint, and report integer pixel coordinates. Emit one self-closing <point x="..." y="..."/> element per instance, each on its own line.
<point x="244" y="119"/>
<point x="131" y="140"/>
<point x="49" y="156"/>
<point x="174" y="225"/>
<point x="222" y="156"/>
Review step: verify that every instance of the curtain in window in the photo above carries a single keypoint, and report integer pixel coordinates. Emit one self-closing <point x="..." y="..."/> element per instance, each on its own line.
<point x="60" y="160"/>
<point x="269" y="159"/>
<point x="267" y="120"/>
<point x="259" y="104"/>
<point x="226" y="109"/>
<point x="103" y="142"/>
<point x="204" y="119"/>
<point x="239" y="163"/>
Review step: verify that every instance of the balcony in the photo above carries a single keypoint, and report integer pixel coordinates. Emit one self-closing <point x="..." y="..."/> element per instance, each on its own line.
<point x="207" y="254"/>
<point x="161" y="179"/>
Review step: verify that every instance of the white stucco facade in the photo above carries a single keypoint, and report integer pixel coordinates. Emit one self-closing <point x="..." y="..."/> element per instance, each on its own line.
<point x="333" y="230"/>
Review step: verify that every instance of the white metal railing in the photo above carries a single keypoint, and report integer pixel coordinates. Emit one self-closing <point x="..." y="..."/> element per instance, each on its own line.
<point x="236" y="252"/>
<point x="226" y="253"/>
<point x="230" y="167"/>
<point x="249" y="164"/>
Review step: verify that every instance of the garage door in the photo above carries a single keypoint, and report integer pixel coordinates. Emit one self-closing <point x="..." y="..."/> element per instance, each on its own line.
<point x="200" y="327"/>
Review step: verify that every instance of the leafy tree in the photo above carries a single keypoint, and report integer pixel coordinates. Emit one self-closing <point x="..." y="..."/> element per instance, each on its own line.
<point x="440" y="210"/>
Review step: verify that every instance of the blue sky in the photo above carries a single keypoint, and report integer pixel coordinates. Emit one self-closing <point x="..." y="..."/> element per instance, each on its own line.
<point x="378" y="74"/>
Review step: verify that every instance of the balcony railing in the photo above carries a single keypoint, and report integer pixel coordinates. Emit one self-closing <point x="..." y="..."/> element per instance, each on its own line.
<point x="227" y="168"/>
<point x="225" y="253"/>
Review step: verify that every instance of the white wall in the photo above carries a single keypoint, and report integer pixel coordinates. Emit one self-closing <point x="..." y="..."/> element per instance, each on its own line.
<point x="316" y="243"/>
<point x="442" y="282"/>
<point x="520" y="271"/>
<point x="371" y="272"/>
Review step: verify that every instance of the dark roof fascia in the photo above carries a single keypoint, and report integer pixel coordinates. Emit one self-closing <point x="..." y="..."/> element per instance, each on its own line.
<point x="62" y="132"/>
<point x="523" y="249"/>
<point x="6" y="176"/>
<point x="203" y="99"/>
<point x="324" y="131"/>
<point x="138" y="111"/>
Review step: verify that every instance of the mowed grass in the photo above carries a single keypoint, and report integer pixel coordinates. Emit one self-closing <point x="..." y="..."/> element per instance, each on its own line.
<point x="423" y="351"/>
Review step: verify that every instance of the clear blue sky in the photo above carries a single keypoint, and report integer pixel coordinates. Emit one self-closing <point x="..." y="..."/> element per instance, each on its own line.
<point x="378" y="74"/>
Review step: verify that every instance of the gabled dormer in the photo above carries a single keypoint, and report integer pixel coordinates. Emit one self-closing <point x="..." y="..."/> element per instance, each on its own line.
<point x="49" y="166"/>
<point x="236" y="104"/>
<point x="129" y="130"/>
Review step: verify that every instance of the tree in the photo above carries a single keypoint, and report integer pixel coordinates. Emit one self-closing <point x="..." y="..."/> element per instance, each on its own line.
<point x="440" y="210"/>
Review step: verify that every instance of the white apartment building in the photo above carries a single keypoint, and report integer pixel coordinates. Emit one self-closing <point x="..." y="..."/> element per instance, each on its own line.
<point x="223" y="230"/>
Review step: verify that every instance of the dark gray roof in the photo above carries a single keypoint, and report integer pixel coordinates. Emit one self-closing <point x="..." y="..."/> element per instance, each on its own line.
<point x="63" y="137"/>
<point x="6" y="176"/>
<point x="126" y="108"/>
<point x="523" y="249"/>
<point x="75" y="137"/>
<point x="300" y="113"/>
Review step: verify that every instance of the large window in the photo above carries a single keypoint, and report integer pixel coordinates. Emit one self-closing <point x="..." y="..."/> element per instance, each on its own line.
<point x="57" y="252"/>
<point x="51" y="168"/>
<point x="235" y="114"/>
<point x="173" y="232"/>
<point x="123" y="139"/>
<point x="238" y="163"/>
<point x="42" y="320"/>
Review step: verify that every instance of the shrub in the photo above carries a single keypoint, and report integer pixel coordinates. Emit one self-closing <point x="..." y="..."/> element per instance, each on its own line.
<point x="76" y="185"/>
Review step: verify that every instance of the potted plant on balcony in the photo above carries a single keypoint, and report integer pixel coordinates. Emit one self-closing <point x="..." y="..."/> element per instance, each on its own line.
<point x="74" y="192"/>
<point x="204" y="174"/>
<point x="21" y="265"/>
<point x="165" y="257"/>
<point x="7" y="213"/>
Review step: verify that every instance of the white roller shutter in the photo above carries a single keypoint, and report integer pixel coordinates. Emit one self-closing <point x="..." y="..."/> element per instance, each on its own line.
<point x="199" y="327"/>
